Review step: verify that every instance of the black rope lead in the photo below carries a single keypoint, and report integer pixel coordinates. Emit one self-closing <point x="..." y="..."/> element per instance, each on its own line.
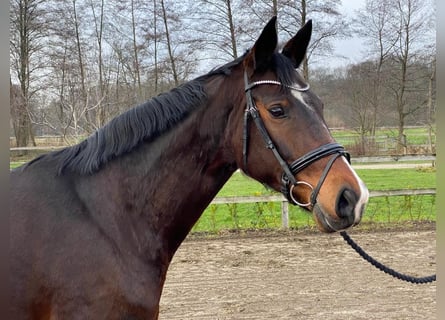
<point x="382" y="267"/>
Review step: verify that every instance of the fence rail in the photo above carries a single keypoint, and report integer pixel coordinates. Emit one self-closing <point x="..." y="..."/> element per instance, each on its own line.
<point x="42" y="148"/>
<point x="395" y="158"/>
<point x="285" y="203"/>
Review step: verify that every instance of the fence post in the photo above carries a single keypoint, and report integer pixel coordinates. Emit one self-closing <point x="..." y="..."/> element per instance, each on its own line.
<point x="284" y="214"/>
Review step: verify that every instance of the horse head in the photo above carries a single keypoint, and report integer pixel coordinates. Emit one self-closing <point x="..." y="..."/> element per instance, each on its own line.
<point x="283" y="140"/>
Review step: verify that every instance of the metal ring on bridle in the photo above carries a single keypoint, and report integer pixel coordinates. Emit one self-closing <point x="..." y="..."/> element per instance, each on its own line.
<point x="292" y="197"/>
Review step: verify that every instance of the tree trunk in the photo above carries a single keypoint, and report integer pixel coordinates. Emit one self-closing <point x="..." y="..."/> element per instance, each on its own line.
<point x="430" y="107"/>
<point x="155" y="17"/>
<point x="99" y="31"/>
<point x="84" y="98"/>
<point x="232" y="29"/>
<point x="303" y="21"/>
<point x="275" y="7"/>
<point x="169" y="45"/>
<point x="23" y="129"/>
<point x="135" y="52"/>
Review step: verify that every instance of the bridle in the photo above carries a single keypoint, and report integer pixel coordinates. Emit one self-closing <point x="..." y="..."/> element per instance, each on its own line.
<point x="288" y="180"/>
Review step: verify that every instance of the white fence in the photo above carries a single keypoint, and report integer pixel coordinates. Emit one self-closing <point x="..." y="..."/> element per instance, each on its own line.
<point x="285" y="203"/>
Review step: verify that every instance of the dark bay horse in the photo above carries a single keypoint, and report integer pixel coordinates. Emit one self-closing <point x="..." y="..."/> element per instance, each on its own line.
<point x="93" y="227"/>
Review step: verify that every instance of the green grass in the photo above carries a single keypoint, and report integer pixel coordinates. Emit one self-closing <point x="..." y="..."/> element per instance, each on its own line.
<point x="240" y="185"/>
<point x="375" y="179"/>
<point x="386" y="210"/>
<point x="414" y="136"/>
<point x="392" y="179"/>
<point x="15" y="164"/>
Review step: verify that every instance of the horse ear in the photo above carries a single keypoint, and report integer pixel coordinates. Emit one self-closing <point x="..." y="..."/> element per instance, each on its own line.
<point x="295" y="48"/>
<point x="261" y="53"/>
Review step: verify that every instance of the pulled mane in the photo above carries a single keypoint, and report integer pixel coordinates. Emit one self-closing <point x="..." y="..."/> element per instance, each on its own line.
<point x="122" y="134"/>
<point x="148" y="121"/>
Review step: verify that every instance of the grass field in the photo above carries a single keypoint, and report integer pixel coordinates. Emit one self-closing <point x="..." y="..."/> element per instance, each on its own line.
<point x="15" y="164"/>
<point x="414" y="136"/>
<point x="399" y="209"/>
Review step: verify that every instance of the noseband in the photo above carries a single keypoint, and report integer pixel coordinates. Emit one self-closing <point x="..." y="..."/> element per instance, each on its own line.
<point x="288" y="180"/>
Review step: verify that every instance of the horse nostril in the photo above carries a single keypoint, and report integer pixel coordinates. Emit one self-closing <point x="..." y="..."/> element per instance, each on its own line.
<point x="346" y="203"/>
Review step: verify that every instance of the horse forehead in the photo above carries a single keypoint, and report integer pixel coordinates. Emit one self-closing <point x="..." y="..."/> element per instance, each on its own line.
<point x="300" y="96"/>
<point x="309" y="102"/>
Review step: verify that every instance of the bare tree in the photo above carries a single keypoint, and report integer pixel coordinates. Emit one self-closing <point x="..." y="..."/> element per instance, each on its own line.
<point x="169" y="44"/>
<point x="98" y="30"/>
<point x="411" y="27"/>
<point x="122" y="34"/>
<point x="396" y="31"/>
<point x="218" y="28"/>
<point x="329" y="23"/>
<point x="155" y="54"/>
<point x="27" y="26"/>
<point x="177" y="45"/>
<point x="80" y="53"/>
<point x="373" y="24"/>
<point x="431" y="104"/>
<point x="86" y="61"/>
<point x="68" y="67"/>
<point x="18" y="114"/>
<point x="232" y="28"/>
<point x="360" y="99"/>
<point x="135" y="47"/>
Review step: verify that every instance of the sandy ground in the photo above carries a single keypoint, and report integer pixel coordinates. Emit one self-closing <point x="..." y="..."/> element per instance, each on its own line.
<point x="290" y="275"/>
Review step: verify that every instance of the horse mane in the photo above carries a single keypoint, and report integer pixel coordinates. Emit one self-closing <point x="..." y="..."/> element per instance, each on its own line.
<point x="148" y="121"/>
<point x="123" y="133"/>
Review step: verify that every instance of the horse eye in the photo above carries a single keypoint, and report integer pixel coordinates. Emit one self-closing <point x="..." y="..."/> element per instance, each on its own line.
<point x="277" y="111"/>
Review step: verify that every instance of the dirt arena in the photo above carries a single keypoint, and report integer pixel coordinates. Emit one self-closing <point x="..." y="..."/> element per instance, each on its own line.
<point x="294" y="275"/>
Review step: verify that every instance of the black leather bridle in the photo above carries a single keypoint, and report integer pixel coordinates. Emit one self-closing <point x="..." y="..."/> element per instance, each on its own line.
<point x="288" y="180"/>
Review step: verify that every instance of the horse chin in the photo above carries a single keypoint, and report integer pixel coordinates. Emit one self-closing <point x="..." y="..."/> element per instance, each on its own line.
<point x="326" y="223"/>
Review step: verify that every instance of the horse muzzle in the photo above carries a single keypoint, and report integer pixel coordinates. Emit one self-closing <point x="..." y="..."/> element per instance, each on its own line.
<point x="349" y="208"/>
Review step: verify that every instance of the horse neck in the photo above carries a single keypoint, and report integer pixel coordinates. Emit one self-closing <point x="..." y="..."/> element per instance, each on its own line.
<point x="158" y="192"/>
